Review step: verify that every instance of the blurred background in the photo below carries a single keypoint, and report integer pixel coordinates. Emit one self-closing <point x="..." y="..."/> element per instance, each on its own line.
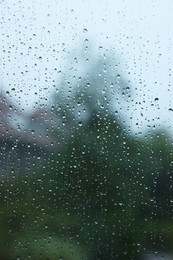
<point x="86" y="132"/>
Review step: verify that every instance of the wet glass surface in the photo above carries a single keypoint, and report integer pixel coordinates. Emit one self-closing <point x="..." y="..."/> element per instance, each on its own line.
<point x="86" y="132"/>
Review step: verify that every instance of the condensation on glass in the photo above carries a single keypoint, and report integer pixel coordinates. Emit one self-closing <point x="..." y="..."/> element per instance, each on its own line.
<point x="86" y="157"/>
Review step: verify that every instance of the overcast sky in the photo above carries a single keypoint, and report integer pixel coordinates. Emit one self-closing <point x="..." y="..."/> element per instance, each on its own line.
<point x="36" y="37"/>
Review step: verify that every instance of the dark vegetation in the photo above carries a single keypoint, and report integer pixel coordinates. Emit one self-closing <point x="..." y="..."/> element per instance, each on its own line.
<point x="102" y="194"/>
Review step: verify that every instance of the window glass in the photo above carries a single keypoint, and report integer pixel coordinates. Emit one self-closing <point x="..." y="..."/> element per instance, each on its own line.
<point x="86" y="132"/>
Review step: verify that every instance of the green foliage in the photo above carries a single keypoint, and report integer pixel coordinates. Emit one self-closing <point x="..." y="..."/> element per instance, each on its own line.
<point x="102" y="195"/>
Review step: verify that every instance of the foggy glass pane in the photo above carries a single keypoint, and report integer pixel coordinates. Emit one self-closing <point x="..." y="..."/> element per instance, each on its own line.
<point x="86" y="132"/>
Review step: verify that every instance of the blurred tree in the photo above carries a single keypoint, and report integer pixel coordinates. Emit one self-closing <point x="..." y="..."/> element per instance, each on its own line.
<point x="103" y="193"/>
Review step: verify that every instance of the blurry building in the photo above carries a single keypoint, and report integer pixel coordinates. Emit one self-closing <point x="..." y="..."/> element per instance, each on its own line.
<point x="25" y="139"/>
